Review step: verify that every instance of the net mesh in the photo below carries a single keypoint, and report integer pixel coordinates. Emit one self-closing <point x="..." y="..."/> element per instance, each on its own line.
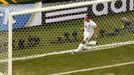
<point x="3" y="52"/>
<point x="60" y="30"/>
<point x="4" y="14"/>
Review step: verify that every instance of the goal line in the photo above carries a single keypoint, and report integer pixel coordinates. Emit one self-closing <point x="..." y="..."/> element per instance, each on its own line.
<point x="92" y="48"/>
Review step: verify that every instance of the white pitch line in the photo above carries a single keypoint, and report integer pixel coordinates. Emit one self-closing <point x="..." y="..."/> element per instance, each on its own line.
<point x="1" y="61"/>
<point x="1" y="73"/>
<point x="94" y="68"/>
<point x="93" y="48"/>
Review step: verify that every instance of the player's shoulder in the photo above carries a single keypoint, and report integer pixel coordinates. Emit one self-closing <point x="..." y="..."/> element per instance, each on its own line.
<point x="85" y="22"/>
<point x="92" y="22"/>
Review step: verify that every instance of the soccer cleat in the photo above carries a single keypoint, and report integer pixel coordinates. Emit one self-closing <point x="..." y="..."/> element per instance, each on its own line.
<point x="75" y="51"/>
<point x="78" y="50"/>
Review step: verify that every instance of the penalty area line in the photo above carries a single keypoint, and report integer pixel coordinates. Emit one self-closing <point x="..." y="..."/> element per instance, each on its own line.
<point x="94" y="68"/>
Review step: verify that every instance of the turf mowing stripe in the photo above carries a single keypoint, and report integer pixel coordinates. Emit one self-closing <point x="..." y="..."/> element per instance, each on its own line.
<point x="94" y="68"/>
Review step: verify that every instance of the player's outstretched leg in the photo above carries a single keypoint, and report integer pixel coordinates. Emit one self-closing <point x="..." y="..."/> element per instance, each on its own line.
<point x="82" y="47"/>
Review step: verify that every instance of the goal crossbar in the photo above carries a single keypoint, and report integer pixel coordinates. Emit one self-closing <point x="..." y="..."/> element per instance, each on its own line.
<point x="58" y="7"/>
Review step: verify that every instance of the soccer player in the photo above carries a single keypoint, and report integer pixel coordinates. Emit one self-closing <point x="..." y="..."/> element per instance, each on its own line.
<point x="90" y="30"/>
<point x="6" y="3"/>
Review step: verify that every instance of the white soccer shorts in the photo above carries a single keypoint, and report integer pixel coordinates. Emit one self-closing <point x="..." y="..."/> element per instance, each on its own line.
<point x="88" y="36"/>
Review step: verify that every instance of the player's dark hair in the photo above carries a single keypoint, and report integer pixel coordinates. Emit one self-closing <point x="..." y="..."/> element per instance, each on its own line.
<point x="88" y="16"/>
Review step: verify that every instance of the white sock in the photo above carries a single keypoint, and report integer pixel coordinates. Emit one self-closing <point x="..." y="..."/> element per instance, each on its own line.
<point x="80" y="48"/>
<point x="85" y="45"/>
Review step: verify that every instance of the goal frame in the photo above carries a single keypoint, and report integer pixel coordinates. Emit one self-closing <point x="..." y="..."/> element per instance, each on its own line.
<point x="10" y="31"/>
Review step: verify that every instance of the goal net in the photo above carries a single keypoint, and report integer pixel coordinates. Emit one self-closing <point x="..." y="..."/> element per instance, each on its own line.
<point x="8" y="22"/>
<point x="42" y="30"/>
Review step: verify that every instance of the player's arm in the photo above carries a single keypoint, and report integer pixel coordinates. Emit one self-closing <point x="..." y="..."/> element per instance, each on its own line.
<point x="82" y="28"/>
<point x="96" y="30"/>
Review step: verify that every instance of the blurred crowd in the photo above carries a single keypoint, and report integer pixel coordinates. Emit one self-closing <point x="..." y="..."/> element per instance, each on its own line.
<point x="6" y="2"/>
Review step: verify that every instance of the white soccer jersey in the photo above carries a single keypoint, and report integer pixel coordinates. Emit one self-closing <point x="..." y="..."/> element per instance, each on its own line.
<point x="89" y="26"/>
<point x="89" y="29"/>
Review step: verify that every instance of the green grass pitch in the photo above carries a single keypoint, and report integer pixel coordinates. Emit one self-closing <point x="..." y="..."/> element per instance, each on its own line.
<point x="68" y="62"/>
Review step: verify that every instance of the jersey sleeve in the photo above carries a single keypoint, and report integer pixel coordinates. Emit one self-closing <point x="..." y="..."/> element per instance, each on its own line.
<point x="94" y="24"/>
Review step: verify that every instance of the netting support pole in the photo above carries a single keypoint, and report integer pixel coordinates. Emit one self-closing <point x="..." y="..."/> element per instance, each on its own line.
<point x="10" y="45"/>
